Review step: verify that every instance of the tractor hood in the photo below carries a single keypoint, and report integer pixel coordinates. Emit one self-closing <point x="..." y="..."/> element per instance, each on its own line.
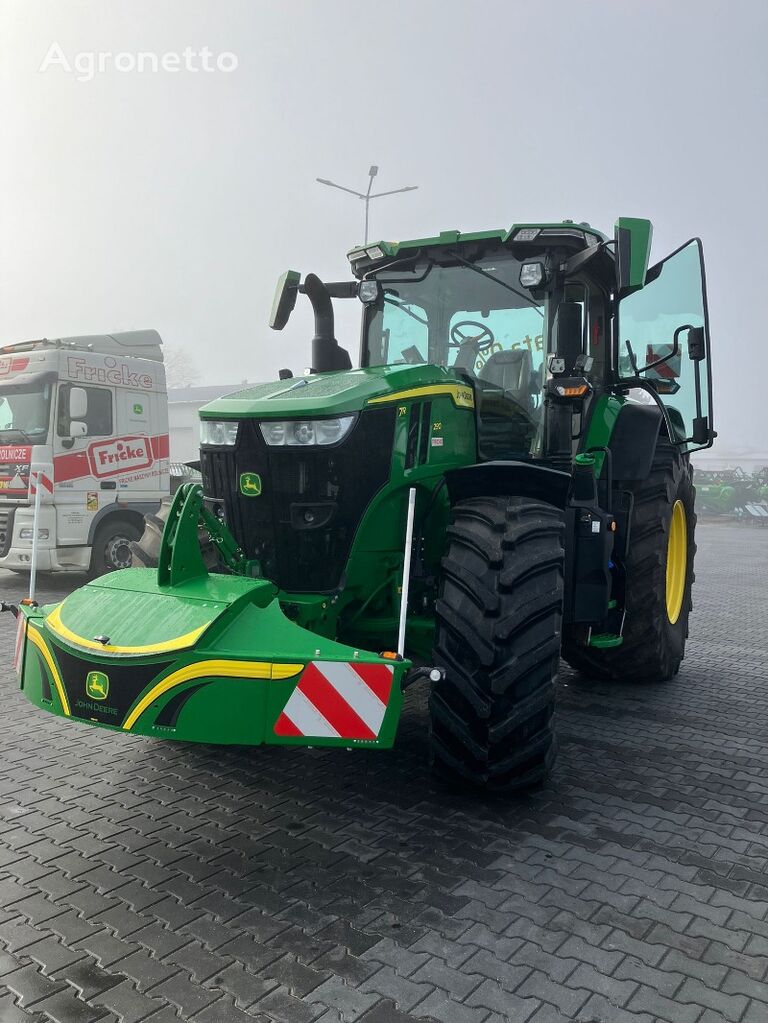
<point x="336" y="393"/>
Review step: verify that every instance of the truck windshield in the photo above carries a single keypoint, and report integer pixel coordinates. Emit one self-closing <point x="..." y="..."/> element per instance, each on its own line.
<point x="25" y="411"/>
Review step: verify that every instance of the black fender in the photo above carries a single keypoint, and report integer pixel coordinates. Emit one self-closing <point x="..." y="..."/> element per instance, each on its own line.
<point x="509" y="479"/>
<point x="633" y="441"/>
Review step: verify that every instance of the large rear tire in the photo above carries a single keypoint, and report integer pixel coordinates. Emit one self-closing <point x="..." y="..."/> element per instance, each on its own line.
<point x="659" y="573"/>
<point x="498" y="621"/>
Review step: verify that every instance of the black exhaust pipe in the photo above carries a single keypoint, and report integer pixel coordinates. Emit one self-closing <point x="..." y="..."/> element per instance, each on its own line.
<point x="327" y="353"/>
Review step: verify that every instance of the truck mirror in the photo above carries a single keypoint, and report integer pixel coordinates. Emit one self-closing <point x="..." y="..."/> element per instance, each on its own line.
<point x="285" y="299"/>
<point x="77" y="428"/>
<point x="78" y="404"/>
<point x="632" y="238"/>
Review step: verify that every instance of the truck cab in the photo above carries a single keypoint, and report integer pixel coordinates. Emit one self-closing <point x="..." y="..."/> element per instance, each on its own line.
<point x="85" y="420"/>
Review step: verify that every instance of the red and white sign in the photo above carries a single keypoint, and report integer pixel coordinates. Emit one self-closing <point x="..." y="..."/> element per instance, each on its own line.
<point x="46" y="483"/>
<point x="10" y="364"/>
<point x="78" y="465"/>
<point x="14" y="469"/>
<point x="21" y="631"/>
<point x="119" y="455"/>
<point x="337" y="700"/>
<point x="670" y="369"/>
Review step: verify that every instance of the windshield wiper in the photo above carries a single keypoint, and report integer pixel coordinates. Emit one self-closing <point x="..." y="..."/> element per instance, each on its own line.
<point x="403" y="306"/>
<point x="484" y="273"/>
<point x="18" y="429"/>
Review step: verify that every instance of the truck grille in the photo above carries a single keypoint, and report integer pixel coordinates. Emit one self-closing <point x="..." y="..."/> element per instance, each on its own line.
<point x="6" y="529"/>
<point x="302" y="524"/>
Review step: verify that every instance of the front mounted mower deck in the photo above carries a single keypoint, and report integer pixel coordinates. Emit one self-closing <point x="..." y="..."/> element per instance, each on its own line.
<point x="504" y="479"/>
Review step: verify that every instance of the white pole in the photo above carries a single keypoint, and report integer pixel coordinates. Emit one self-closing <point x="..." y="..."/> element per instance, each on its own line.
<point x="406" y="570"/>
<point x="35" y="520"/>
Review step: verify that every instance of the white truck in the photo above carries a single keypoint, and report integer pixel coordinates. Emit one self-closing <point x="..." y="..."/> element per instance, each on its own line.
<point x="86" y="420"/>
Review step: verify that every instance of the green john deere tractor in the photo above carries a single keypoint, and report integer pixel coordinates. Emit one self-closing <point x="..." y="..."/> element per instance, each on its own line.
<point x="505" y="479"/>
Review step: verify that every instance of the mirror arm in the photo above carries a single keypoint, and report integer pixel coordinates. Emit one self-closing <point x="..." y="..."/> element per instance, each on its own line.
<point x="338" y="289"/>
<point x="580" y="259"/>
<point x="672" y="354"/>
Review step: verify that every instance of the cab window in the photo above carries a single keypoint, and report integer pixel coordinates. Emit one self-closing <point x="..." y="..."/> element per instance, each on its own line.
<point x="98" y="415"/>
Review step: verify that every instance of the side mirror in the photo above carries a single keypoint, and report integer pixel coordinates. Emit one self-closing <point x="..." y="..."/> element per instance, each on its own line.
<point x="77" y="429"/>
<point x="285" y="299"/>
<point x="633" y="249"/>
<point x="78" y="404"/>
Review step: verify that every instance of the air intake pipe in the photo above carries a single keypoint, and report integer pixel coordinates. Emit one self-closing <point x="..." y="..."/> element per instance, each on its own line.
<point x="327" y="354"/>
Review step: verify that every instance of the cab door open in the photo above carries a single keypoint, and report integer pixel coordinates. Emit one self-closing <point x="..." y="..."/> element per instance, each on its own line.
<point x="663" y="344"/>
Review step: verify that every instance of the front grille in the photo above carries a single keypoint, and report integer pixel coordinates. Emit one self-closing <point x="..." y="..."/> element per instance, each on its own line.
<point x="6" y="529"/>
<point x="332" y="486"/>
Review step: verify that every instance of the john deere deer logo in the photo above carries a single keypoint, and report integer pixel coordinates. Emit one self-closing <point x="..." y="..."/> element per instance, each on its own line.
<point x="250" y="484"/>
<point x="97" y="685"/>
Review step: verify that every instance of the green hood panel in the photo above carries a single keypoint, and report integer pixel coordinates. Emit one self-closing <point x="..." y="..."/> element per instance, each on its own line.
<point x="327" y="393"/>
<point x="141" y="618"/>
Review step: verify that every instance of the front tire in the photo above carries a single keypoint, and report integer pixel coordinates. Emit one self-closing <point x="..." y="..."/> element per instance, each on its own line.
<point x="659" y="574"/>
<point x="111" y="549"/>
<point x="498" y="621"/>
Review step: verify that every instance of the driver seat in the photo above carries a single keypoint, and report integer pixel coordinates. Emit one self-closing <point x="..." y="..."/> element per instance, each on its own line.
<point x="506" y="419"/>
<point x="511" y="371"/>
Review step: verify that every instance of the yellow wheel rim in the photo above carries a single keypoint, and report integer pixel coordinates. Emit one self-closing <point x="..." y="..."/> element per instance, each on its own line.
<point x="677" y="561"/>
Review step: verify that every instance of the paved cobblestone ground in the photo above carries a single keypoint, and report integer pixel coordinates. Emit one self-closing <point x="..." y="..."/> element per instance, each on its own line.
<point x="149" y="881"/>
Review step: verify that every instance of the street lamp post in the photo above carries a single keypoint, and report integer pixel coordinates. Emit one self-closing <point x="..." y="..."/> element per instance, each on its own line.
<point x="366" y="196"/>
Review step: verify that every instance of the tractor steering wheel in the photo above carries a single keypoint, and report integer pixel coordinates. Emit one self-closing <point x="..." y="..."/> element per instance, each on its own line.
<point x="484" y="340"/>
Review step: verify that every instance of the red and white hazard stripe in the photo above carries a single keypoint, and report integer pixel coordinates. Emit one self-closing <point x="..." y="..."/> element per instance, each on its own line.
<point x="669" y="370"/>
<point x="337" y="700"/>
<point x="46" y="483"/>
<point x="21" y="629"/>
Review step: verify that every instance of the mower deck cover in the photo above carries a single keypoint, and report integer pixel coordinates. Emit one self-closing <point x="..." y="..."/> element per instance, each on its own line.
<point x="214" y="659"/>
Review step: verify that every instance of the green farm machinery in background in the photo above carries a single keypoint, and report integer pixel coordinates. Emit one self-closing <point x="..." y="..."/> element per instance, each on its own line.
<point x="733" y="493"/>
<point x="504" y="479"/>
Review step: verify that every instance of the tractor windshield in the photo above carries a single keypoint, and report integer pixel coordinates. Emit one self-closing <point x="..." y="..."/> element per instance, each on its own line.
<point x="484" y="324"/>
<point x="454" y="316"/>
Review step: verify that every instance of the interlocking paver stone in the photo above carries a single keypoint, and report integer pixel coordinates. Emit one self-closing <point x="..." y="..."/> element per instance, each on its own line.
<point x="141" y="880"/>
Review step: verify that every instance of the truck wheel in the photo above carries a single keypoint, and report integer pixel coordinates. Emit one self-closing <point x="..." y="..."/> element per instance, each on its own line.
<point x="111" y="549"/>
<point x="498" y="621"/>
<point x="660" y="576"/>
<point x="146" y="550"/>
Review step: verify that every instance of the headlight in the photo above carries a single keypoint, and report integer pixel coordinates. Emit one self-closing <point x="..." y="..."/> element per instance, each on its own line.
<point x="213" y="431"/>
<point x="368" y="291"/>
<point x="532" y="275"/>
<point x="526" y="234"/>
<point x="26" y="534"/>
<point x="306" y="432"/>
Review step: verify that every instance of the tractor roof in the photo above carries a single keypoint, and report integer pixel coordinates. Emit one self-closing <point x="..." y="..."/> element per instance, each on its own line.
<point x="364" y="256"/>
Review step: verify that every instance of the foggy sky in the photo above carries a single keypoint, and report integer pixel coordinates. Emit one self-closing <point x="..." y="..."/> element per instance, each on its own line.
<point x="174" y="200"/>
